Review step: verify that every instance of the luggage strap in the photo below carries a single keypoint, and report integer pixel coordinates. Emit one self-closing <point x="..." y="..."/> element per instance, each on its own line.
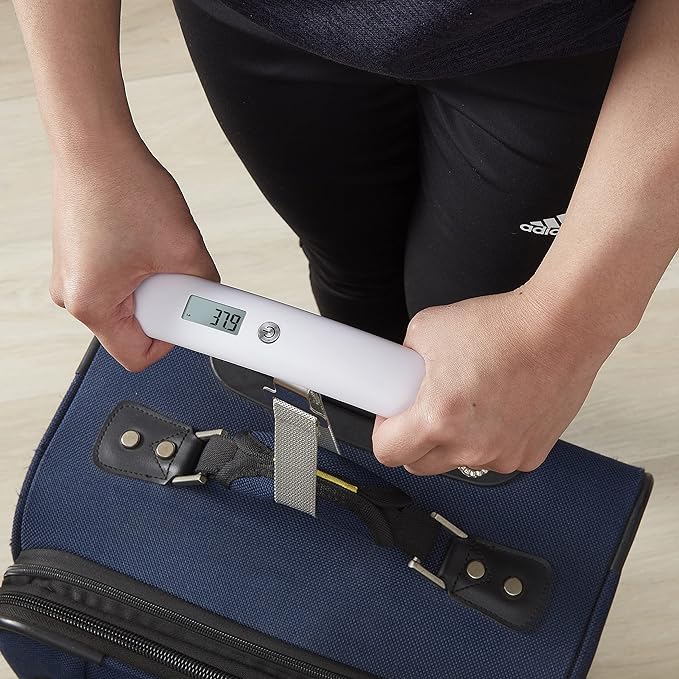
<point x="390" y="515"/>
<point x="506" y="584"/>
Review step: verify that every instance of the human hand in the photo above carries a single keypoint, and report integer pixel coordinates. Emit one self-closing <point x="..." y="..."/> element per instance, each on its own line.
<point x="505" y="375"/>
<point x="119" y="217"/>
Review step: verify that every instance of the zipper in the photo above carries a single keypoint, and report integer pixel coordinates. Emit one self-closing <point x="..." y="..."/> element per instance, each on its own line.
<point x="193" y="669"/>
<point x="136" y="643"/>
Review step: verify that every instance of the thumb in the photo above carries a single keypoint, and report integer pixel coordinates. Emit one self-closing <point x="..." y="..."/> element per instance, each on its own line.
<point x="402" y="439"/>
<point x="124" y="339"/>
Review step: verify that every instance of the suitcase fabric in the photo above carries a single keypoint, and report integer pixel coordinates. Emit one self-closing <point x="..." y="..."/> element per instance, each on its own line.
<point x="222" y="583"/>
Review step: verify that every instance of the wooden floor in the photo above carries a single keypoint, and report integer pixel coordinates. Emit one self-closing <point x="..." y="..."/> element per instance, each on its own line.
<point x="631" y="414"/>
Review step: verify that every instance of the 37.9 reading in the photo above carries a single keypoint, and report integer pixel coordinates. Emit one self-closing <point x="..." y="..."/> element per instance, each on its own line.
<point x="213" y="314"/>
<point x="222" y="317"/>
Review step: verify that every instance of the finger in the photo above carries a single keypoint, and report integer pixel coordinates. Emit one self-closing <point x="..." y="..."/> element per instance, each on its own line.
<point x="56" y="295"/>
<point x="402" y="439"/>
<point x="127" y="343"/>
<point x="378" y="422"/>
<point x="535" y="459"/>
<point x="443" y="459"/>
<point x="529" y="466"/>
<point x="502" y="465"/>
<point x="121" y="335"/>
<point x="439" y="460"/>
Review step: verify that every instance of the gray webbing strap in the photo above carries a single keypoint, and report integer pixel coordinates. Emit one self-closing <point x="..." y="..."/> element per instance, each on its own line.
<point x="295" y="456"/>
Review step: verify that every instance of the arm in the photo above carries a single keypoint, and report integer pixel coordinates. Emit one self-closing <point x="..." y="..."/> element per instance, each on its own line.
<point x="507" y="373"/>
<point x="118" y="215"/>
<point x="622" y="226"/>
<point x="74" y="55"/>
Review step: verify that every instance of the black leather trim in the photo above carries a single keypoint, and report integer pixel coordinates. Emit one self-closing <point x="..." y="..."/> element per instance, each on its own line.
<point x="632" y="524"/>
<point x="142" y="462"/>
<point x="487" y="593"/>
<point x="88" y="356"/>
<point x="349" y="424"/>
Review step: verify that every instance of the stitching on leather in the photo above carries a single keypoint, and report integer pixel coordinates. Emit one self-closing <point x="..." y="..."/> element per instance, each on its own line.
<point x="459" y="572"/>
<point x="155" y="443"/>
<point x="112" y="418"/>
<point x="533" y="611"/>
<point x="488" y="577"/>
<point x="494" y="614"/>
<point x="152" y="447"/>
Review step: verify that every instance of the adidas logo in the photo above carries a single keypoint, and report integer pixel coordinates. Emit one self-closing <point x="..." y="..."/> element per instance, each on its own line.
<point x="544" y="227"/>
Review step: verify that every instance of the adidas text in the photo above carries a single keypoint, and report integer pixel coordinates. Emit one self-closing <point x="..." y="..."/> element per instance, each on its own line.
<point x="544" y="227"/>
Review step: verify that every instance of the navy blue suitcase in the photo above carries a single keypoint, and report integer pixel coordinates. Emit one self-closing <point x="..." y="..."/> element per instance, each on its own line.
<point x="134" y="564"/>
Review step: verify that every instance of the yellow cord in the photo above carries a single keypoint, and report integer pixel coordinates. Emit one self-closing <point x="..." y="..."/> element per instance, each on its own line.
<point x="336" y="481"/>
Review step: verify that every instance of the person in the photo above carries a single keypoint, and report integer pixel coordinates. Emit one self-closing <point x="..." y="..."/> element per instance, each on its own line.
<point x="493" y="183"/>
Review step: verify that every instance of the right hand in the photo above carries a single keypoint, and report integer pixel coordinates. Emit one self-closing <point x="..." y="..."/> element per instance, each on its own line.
<point x="119" y="217"/>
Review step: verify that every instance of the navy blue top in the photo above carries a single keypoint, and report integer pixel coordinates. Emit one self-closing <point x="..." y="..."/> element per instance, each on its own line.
<point x="420" y="39"/>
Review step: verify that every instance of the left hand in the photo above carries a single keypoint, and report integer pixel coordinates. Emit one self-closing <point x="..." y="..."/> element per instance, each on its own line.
<point x="505" y="375"/>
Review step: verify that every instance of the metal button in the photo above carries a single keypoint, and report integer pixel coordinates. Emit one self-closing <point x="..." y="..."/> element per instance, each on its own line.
<point x="268" y="332"/>
<point x="130" y="439"/>
<point x="476" y="570"/>
<point x="165" y="450"/>
<point x="513" y="586"/>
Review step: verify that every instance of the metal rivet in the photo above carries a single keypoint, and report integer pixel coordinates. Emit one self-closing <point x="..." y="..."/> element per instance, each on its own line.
<point x="268" y="332"/>
<point x="130" y="439"/>
<point x="513" y="586"/>
<point x="476" y="570"/>
<point x="165" y="450"/>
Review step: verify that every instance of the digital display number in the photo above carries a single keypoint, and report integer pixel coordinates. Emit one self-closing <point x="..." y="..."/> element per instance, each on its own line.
<point x="213" y="315"/>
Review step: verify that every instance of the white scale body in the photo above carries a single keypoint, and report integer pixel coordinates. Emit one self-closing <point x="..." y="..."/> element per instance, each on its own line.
<point x="280" y="341"/>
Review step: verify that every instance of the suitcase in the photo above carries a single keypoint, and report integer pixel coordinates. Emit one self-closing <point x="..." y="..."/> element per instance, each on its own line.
<point x="147" y="544"/>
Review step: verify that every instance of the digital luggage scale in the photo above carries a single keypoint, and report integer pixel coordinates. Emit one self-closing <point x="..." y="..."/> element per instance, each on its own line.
<point x="281" y="341"/>
<point x="313" y="355"/>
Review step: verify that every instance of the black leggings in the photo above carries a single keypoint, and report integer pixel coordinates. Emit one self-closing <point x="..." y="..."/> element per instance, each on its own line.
<point x="404" y="195"/>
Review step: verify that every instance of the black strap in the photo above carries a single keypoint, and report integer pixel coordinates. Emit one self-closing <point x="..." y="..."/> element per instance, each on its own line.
<point x="228" y="458"/>
<point x="508" y="585"/>
<point x="389" y="514"/>
<point x="394" y="520"/>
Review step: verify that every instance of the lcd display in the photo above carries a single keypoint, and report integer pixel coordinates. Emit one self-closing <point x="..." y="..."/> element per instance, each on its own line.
<point x="213" y="315"/>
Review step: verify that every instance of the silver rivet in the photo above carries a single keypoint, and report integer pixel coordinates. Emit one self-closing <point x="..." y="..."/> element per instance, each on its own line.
<point x="268" y="332"/>
<point x="476" y="570"/>
<point x="513" y="586"/>
<point x="130" y="439"/>
<point x="165" y="450"/>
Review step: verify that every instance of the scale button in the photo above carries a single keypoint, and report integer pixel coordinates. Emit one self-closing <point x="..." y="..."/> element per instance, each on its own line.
<point x="268" y="332"/>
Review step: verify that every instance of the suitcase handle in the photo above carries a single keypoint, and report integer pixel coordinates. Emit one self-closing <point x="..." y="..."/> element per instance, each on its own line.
<point x="281" y="341"/>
